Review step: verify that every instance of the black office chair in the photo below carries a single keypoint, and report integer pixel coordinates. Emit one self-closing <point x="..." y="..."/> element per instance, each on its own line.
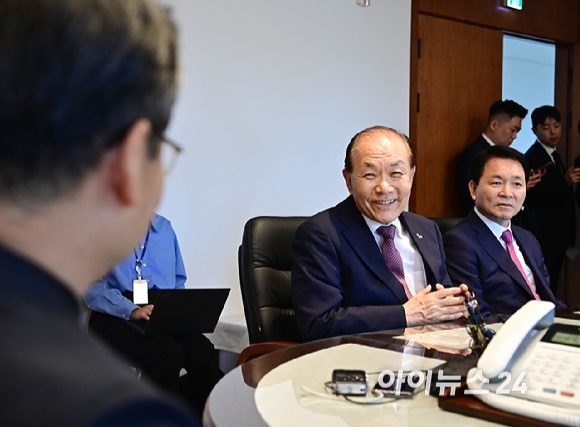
<point x="446" y="223"/>
<point x="265" y="263"/>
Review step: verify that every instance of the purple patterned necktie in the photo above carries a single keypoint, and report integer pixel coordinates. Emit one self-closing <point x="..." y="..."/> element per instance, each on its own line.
<point x="392" y="256"/>
<point x="506" y="236"/>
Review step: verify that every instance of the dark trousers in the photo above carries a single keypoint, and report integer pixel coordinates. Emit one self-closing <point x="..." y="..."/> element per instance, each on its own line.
<point x="161" y="358"/>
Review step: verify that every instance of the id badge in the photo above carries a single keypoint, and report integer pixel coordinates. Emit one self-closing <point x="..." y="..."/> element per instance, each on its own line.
<point x="140" y="294"/>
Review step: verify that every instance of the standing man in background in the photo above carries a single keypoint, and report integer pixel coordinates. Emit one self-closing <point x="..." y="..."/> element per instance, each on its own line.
<point x="551" y="201"/>
<point x="503" y="124"/>
<point x="87" y="88"/>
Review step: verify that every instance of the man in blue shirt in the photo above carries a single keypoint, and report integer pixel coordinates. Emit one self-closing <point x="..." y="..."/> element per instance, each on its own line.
<point x="165" y="270"/>
<point x="158" y="262"/>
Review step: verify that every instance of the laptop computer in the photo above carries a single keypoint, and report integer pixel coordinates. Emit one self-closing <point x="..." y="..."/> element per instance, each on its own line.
<point x="183" y="312"/>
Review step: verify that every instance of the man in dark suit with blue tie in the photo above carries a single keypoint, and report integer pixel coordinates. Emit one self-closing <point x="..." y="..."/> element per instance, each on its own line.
<point x="502" y="264"/>
<point x="365" y="265"/>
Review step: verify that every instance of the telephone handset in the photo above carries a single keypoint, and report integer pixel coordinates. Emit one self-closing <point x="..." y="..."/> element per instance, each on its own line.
<point x="533" y="366"/>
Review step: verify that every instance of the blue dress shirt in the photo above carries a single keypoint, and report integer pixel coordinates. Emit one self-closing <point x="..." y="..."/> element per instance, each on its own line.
<point x="162" y="267"/>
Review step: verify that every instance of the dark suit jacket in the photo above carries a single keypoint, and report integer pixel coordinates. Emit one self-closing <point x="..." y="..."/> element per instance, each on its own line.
<point x="340" y="281"/>
<point x="54" y="374"/>
<point x="475" y="257"/>
<point x="464" y="173"/>
<point x="551" y="202"/>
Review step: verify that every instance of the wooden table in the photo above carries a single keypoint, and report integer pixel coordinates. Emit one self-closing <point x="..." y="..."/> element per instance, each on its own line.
<point x="231" y="403"/>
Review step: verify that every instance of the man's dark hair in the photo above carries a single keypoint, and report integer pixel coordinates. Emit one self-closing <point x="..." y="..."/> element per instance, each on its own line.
<point x="354" y="140"/>
<point x="540" y="114"/>
<point x="497" y="152"/>
<point x="507" y="108"/>
<point x="75" y="75"/>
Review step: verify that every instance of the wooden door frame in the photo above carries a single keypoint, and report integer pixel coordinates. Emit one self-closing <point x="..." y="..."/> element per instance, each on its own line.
<point x="414" y="83"/>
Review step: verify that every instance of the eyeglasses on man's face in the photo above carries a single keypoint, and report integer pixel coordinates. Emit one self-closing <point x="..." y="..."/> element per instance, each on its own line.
<point x="170" y="151"/>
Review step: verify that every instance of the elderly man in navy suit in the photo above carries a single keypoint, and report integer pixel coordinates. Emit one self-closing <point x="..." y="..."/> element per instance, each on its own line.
<point x="365" y="265"/>
<point x="502" y="264"/>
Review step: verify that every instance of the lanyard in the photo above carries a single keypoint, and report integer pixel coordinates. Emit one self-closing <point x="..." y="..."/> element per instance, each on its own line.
<point x="139" y="261"/>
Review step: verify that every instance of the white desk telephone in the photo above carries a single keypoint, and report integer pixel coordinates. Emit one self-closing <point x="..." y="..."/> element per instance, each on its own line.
<point x="533" y="367"/>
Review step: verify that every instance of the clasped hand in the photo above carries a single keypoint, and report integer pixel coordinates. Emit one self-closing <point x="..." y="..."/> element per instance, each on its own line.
<point x="441" y="305"/>
<point x="142" y="313"/>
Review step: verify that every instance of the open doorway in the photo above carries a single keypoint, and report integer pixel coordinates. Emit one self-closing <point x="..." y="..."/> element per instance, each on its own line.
<point x="528" y="78"/>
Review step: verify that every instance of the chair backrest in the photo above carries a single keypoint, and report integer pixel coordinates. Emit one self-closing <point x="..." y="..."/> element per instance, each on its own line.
<point x="446" y="223"/>
<point x="265" y="264"/>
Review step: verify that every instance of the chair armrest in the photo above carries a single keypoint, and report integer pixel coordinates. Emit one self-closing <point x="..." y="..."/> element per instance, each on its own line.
<point x="259" y="349"/>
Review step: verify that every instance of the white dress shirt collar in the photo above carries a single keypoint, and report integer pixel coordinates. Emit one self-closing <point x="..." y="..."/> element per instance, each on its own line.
<point x="495" y="228"/>
<point x="373" y="225"/>
<point x="489" y="141"/>
<point x="497" y="231"/>
<point x="413" y="265"/>
<point x="548" y="149"/>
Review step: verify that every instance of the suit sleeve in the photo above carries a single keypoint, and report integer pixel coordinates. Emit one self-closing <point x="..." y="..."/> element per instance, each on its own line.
<point x="546" y="277"/>
<point x="538" y="261"/>
<point x="463" y="267"/>
<point x="104" y="297"/>
<point x="545" y="190"/>
<point x="317" y="291"/>
<point x="444" y="278"/>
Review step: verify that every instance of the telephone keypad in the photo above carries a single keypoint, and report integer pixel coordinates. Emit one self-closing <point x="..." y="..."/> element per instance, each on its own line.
<point x="550" y="373"/>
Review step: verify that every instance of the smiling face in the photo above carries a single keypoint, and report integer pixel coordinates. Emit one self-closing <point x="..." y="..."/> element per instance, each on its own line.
<point x="549" y="132"/>
<point x="501" y="190"/>
<point x="381" y="176"/>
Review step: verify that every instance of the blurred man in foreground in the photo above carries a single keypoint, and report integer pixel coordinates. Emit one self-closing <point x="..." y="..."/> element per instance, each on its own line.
<point x="87" y="88"/>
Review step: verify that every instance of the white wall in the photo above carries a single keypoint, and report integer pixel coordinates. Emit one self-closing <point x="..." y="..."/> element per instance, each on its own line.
<point x="528" y="79"/>
<point x="272" y="92"/>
